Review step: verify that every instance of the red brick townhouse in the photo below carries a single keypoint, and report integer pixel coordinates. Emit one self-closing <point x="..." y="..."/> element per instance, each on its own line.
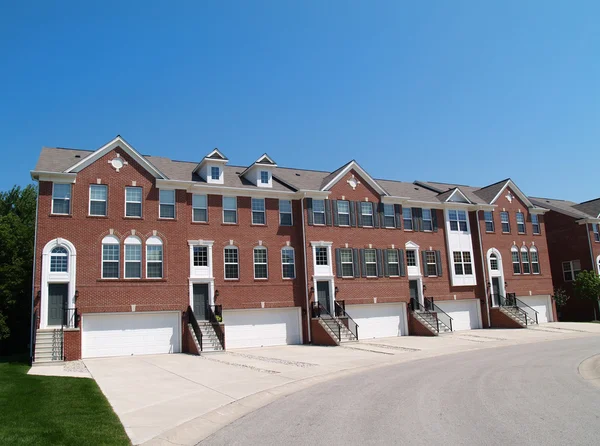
<point x="573" y="232"/>
<point x="141" y="254"/>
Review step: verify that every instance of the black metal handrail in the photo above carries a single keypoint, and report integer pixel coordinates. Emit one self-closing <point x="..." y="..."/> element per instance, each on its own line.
<point x="195" y="327"/>
<point x="213" y="312"/>
<point x="415" y="305"/>
<point x="510" y="300"/>
<point x="36" y="321"/>
<point x="340" y="312"/>
<point x="522" y="305"/>
<point x="446" y="318"/>
<point x="320" y="312"/>
<point x="70" y="318"/>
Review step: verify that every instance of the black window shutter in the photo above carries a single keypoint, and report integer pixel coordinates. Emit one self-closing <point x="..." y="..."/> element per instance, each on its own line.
<point x="424" y="266"/>
<point x="352" y="214"/>
<point x="355" y="261"/>
<point x="309" y="210"/>
<point x="338" y="262"/>
<point x="386" y="268"/>
<point x="438" y="260"/>
<point x="328" y="212"/>
<point x="401" y="262"/>
<point x="336" y="219"/>
<point x="363" y="265"/>
<point x="358" y="214"/>
<point x="379" y="263"/>
<point x="398" y="212"/>
<point x="375" y="215"/>
<point x="418" y="217"/>
<point x="434" y="220"/>
<point x="415" y="219"/>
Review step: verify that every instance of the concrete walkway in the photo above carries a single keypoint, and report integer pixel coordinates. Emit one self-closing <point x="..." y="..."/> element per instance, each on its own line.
<point x="182" y="399"/>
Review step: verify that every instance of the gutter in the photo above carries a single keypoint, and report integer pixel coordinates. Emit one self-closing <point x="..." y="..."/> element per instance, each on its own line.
<point x="587" y="229"/>
<point x="37" y="202"/>
<point x="305" y="272"/>
<point x="483" y="268"/>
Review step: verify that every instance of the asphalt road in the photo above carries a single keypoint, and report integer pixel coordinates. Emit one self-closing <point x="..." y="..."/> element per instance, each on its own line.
<point x="527" y="394"/>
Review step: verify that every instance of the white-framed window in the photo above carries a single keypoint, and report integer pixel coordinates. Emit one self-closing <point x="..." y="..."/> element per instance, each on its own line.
<point x="319" y="212"/>
<point x="59" y="260"/>
<point x="366" y="214"/>
<point x="167" y="203"/>
<point x="264" y="177"/>
<point x="493" y="262"/>
<point x="260" y="263"/>
<point x="258" y="211"/>
<point x="488" y="216"/>
<point x="525" y="260"/>
<point x="133" y="257"/>
<point x="571" y="270"/>
<point x="535" y="260"/>
<point x="154" y="258"/>
<point x="458" y="220"/>
<point x="288" y="268"/>
<point x="431" y="263"/>
<point x="321" y="257"/>
<point x="133" y="201"/>
<point x="407" y="218"/>
<point x="110" y="257"/>
<point x="346" y="261"/>
<point x="596" y="228"/>
<point x="393" y="262"/>
<point x="215" y="173"/>
<point x="411" y="257"/>
<point x="232" y="265"/>
<point x="516" y="261"/>
<point x="520" y="223"/>
<point x="61" y="198"/>
<point x="230" y="210"/>
<point x="371" y="262"/>
<point x="200" y="254"/>
<point x="505" y="222"/>
<point x="462" y="263"/>
<point x="343" y="207"/>
<point x="98" y="197"/>
<point x="389" y="216"/>
<point x="285" y="213"/>
<point x="199" y="208"/>
<point x="427" y="220"/>
<point x="535" y="223"/>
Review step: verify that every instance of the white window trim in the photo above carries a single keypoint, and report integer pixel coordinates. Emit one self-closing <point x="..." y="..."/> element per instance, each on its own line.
<point x="371" y="263"/>
<point x="344" y="213"/>
<point x="397" y="262"/>
<point x="426" y="266"/>
<point x="512" y="260"/>
<point x="135" y="202"/>
<point x="532" y="250"/>
<point x="342" y="263"/>
<point x="225" y="263"/>
<point x="507" y="222"/>
<point x="533" y="225"/>
<point x="54" y="183"/>
<point x="291" y="212"/>
<point x="229" y="210"/>
<point x="524" y="224"/>
<point x="462" y="263"/>
<point x="485" y="222"/>
<point x="404" y="219"/>
<point x="370" y="207"/>
<point x="218" y="173"/>
<point x="386" y="216"/>
<point x="430" y="220"/>
<point x="132" y="240"/>
<point x="315" y="212"/>
<point x="572" y="269"/>
<point x="193" y="257"/>
<point x="105" y="201"/>
<point x="174" y="204"/>
<point x="209" y="274"/>
<point x="260" y="248"/>
<point x="458" y="220"/>
<point x="156" y="241"/>
<point x="322" y="244"/>
<point x="110" y="240"/>
<point x="293" y="263"/>
<point x="264" y="211"/>
<point x="526" y="251"/>
<point x="196" y="207"/>
<point x="261" y="176"/>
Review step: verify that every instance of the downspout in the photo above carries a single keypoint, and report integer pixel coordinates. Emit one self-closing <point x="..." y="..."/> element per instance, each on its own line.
<point x="483" y="268"/>
<point x="587" y="229"/>
<point x="305" y="270"/>
<point x="37" y="203"/>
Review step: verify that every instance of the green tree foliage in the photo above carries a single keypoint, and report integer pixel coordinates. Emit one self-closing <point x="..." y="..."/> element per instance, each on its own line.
<point x="587" y="286"/>
<point x="560" y="296"/>
<point x="17" y="230"/>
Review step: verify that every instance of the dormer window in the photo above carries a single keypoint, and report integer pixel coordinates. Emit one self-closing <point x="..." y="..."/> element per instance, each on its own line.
<point x="215" y="173"/>
<point x="264" y="177"/>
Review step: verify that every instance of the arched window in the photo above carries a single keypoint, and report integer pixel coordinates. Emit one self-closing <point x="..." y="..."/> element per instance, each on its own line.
<point x="493" y="262"/>
<point x="535" y="260"/>
<point x="525" y="260"/>
<point x="133" y="257"/>
<point x="260" y="263"/>
<point x="232" y="263"/>
<point x="154" y="258"/>
<point x="110" y="257"/>
<point x="514" y="252"/>
<point x="59" y="260"/>
<point x="288" y="263"/>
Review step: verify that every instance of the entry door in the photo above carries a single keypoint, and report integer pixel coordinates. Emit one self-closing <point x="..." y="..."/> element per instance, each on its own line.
<point x="495" y="291"/>
<point x="201" y="301"/>
<point x="57" y="302"/>
<point x="413" y="288"/>
<point x="323" y="295"/>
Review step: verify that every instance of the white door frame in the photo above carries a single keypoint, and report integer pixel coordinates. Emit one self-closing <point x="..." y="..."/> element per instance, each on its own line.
<point x="499" y="273"/>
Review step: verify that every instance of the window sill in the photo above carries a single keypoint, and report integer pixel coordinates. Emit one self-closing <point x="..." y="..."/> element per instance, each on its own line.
<point x="232" y="280"/>
<point x="60" y="215"/>
<point x="166" y="219"/>
<point x="131" y="280"/>
<point x="261" y="280"/>
<point x="199" y="222"/>
<point x="132" y="217"/>
<point x="97" y="216"/>
<point x="491" y="232"/>
<point x="230" y="224"/>
<point x="259" y="225"/>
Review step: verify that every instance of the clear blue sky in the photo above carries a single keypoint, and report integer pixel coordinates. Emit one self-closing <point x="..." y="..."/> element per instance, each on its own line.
<point x="467" y="92"/>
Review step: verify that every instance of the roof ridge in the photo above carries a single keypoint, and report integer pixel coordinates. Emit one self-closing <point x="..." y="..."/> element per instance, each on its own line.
<point x="67" y="148"/>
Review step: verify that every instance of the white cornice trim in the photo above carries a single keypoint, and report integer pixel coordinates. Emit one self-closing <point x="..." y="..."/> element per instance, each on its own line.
<point x="461" y="193"/>
<point x="591" y="220"/>
<point x="363" y="173"/>
<point x="518" y="191"/>
<point x="57" y="177"/>
<point x="193" y="186"/>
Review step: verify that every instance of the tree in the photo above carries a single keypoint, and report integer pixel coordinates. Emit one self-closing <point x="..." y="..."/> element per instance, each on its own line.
<point x="560" y="297"/>
<point x="17" y="230"/>
<point x="587" y="286"/>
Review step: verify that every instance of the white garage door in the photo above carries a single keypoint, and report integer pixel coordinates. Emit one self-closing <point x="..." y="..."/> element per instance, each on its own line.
<point x="541" y="304"/>
<point x="261" y="328"/>
<point x="464" y="313"/>
<point x="129" y="334"/>
<point x="378" y="320"/>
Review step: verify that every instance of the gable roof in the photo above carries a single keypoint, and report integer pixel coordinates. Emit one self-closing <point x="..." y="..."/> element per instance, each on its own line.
<point x="490" y="193"/>
<point x="448" y="196"/>
<point x="216" y="155"/>
<point x="561" y="206"/>
<point x="337" y="175"/>
<point x="263" y="160"/>
<point x="590" y="207"/>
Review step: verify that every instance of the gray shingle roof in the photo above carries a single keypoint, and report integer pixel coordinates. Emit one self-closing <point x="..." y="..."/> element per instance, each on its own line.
<point x="58" y="159"/>
<point x="561" y="206"/>
<point x="591" y="207"/>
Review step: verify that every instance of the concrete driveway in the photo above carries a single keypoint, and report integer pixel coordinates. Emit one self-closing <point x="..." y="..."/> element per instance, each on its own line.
<point x="183" y="398"/>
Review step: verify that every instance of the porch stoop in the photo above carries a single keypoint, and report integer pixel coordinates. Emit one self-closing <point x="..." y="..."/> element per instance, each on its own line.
<point x="49" y="345"/>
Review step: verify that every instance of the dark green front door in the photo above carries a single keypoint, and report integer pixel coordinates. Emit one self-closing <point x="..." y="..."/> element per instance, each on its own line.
<point x="413" y="288"/>
<point x="323" y="295"/>
<point x="495" y="291"/>
<point x="201" y="301"/>
<point x="57" y="302"/>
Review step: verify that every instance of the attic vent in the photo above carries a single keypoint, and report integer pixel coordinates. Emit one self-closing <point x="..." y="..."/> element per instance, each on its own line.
<point x="297" y="174"/>
<point x="416" y="188"/>
<point x="547" y="201"/>
<point x="238" y="173"/>
<point x="77" y="156"/>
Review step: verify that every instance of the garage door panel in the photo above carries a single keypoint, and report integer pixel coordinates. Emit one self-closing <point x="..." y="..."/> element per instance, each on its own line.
<point x="261" y="328"/>
<point x="540" y="304"/>
<point x="378" y="320"/>
<point x="464" y="313"/>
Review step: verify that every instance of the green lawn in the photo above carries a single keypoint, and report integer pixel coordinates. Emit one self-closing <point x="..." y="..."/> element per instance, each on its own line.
<point x="50" y="410"/>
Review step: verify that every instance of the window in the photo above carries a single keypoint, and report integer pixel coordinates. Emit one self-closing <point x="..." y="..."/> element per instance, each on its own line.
<point x="520" y="223"/>
<point x="199" y="208"/>
<point x="167" y="203"/>
<point x="232" y="267"/>
<point x="407" y="218"/>
<point x="431" y="263"/>
<point x="347" y="264"/>
<point x="258" y="211"/>
<point x="285" y="212"/>
<point x="110" y="257"/>
<point x="133" y="258"/>
<point x="133" y="202"/>
<point x="264" y="177"/>
<point x="59" y="260"/>
<point x="571" y="270"/>
<point x="488" y="216"/>
<point x="505" y="222"/>
<point x="200" y="255"/>
<point x="61" y="199"/>
<point x="366" y="214"/>
<point x="319" y="212"/>
<point x="260" y="263"/>
<point x="427" y="220"/>
<point x="343" y="213"/>
<point x="98" y="193"/>
<point x="596" y="232"/>
<point x="154" y="258"/>
<point x="411" y="257"/>
<point x="462" y="263"/>
<point x="215" y="173"/>
<point x="321" y="256"/>
<point x="371" y="262"/>
<point x="493" y="262"/>
<point x="458" y="220"/>
<point x="389" y="216"/>
<point x="515" y="261"/>
<point x="393" y="263"/>
<point x="525" y="260"/>
<point x="535" y="261"/>
<point x="229" y="210"/>
<point x="535" y="222"/>
<point x="287" y="263"/>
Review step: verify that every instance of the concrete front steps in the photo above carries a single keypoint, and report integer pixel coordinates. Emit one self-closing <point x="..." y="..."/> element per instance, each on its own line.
<point x="48" y="346"/>
<point x="520" y="317"/>
<point x="210" y="340"/>
<point x="431" y="322"/>
<point x="331" y="327"/>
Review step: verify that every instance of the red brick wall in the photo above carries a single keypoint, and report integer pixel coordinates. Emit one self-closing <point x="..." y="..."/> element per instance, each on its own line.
<point x="501" y="320"/>
<point x="319" y="335"/>
<point x="416" y="328"/>
<point x="72" y="344"/>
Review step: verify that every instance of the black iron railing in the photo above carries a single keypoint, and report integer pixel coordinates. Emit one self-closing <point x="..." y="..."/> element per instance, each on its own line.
<point x="195" y="327"/>
<point x="70" y="318"/>
<point x="215" y="317"/>
<point x="441" y="315"/>
<point x="34" y="327"/>
<point x="340" y="312"/>
<point x="320" y="312"/>
<point x="511" y="301"/>
<point x="530" y="312"/>
<point x="425" y="307"/>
